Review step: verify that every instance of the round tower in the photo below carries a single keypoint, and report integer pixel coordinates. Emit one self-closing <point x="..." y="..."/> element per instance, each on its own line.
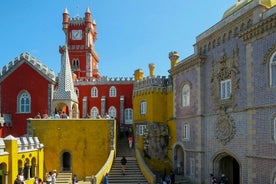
<point x="65" y="21"/>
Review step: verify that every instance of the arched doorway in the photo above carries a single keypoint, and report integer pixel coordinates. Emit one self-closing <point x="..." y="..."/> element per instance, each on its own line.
<point x="229" y="166"/>
<point x="66" y="161"/>
<point x="178" y="160"/>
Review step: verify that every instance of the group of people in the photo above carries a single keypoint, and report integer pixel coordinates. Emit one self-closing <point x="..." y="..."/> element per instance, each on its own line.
<point x="51" y="177"/>
<point x="223" y="179"/>
<point x="57" y="115"/>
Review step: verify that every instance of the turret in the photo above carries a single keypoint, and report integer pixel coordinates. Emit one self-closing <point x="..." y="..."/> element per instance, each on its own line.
<point x="88" y="20"/>
<point x="151" y="69"/>
<point x="65" y="21"/>
<point x="173" y="56"/>
<point x="138" y="74"/>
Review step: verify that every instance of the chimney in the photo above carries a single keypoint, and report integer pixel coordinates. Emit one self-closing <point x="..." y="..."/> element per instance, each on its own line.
<point x="151" y="69"/>
<point x="138" y="74"/>
<point x="173" y="56"/>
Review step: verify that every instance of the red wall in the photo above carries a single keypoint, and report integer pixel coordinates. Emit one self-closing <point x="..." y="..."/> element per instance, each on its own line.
<point x="23" y="78"/>
<point x="103" y="90"/>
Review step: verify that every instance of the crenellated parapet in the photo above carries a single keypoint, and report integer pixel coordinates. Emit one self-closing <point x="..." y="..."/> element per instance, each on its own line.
<point x="77" y="21"/>
<point x="103" y="80"/>
<point x="149" y="85"/>
<point x="36" y="64"/>
<point x="157" y="81"/>
<point x="24" y="144"/>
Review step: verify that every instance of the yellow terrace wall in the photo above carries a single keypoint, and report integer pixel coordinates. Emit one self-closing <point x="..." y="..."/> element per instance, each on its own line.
<point x="87" y="141"/>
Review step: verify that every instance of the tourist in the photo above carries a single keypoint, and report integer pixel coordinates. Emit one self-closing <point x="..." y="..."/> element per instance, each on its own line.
<point x="123" y="165"/>
<point x="48" y="178"/>
<point x="54" y="177"/>
<point x="105" y="180"/>
<point x="18" y="180"/>
<point x="213" y="179"/>
<point x="75" y="179"/>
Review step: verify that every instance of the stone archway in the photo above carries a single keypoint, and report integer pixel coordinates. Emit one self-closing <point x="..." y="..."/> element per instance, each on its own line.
<point x="178" y="164"/>
<point x="229" y="166"/>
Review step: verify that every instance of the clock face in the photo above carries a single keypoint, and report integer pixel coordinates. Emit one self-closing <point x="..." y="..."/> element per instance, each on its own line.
<point x="76" y="34"/>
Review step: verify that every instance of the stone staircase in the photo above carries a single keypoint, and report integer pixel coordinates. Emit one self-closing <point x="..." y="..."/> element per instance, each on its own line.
<point x="64" y="178"/>
<point x="132" y="175"/>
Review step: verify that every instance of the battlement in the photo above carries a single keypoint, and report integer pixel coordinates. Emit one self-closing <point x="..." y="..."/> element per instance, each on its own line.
<point x="31" y="60"/>
<point x="24" y="144"/>
<point x="157" y="81"/>
<point x="76" y="20"/>
<point x="104" y="80"/>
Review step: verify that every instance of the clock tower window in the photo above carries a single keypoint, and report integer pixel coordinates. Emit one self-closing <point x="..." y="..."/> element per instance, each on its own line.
<point x="75" y="64"/>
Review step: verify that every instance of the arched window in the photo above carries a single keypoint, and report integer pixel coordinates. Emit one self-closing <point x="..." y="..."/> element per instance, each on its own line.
<point x="112" y="112"/>
<point x="24" y="102"/>
<point x="75" y="64"/>
<point x="94" y="92"/>
<point x="128" y="116"/>
<point x="185" y="93"/>
<point x="94" y="112"/>
<point x="112" y="92"/>
<point x="272" y="68"/>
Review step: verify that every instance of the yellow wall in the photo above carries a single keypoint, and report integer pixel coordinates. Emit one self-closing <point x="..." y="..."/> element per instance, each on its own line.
<point x="159" y="110"/>
<point x="88" y="141"/>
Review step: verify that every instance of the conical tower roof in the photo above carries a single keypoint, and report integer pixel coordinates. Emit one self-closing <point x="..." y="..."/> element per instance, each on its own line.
<point x="65" y="89"/>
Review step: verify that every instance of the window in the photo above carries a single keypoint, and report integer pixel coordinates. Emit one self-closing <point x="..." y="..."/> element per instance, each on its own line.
<point x="94" y="112"/>
<point x="143" y="107"/>
<point x="94" y="92"/>
<point x="273" y="70"/>
<point x="225" y="89"/>
<point x="112" y="92"/>
<point x="128" y="116"/>
<point x="24" y="103"/>
<point x="186" y="132"/>
<point x="141" y="129"/>
<point x="75" y="64"/>
<point x="186" y="95"/>
<point x="112" y="112"/>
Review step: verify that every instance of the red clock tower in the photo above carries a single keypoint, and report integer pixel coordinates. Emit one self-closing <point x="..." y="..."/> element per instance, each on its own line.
<point x="81" y="34"/>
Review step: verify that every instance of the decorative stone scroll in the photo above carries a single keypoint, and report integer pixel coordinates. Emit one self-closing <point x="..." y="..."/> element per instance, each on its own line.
<point x="225" y="129"/>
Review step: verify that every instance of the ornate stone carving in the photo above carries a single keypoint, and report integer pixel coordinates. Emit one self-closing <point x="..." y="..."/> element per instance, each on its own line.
<point x="156" y="140"/>
<point x="225" y="68"/>
<point x="225" y="129"/>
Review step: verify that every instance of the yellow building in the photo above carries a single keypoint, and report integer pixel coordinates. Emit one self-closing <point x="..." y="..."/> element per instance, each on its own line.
<point x="153" y="121"/>
<point x="24" y="154"/>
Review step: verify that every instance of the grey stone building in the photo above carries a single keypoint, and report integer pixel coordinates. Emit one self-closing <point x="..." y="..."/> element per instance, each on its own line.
<point x="225" y="98"/>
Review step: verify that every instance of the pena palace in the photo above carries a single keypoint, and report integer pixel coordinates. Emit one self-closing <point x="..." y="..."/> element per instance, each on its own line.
<point x="28" y="87"/>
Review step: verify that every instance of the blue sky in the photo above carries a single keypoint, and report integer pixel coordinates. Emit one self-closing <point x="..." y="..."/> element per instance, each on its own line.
<point x="131" y="33"/>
